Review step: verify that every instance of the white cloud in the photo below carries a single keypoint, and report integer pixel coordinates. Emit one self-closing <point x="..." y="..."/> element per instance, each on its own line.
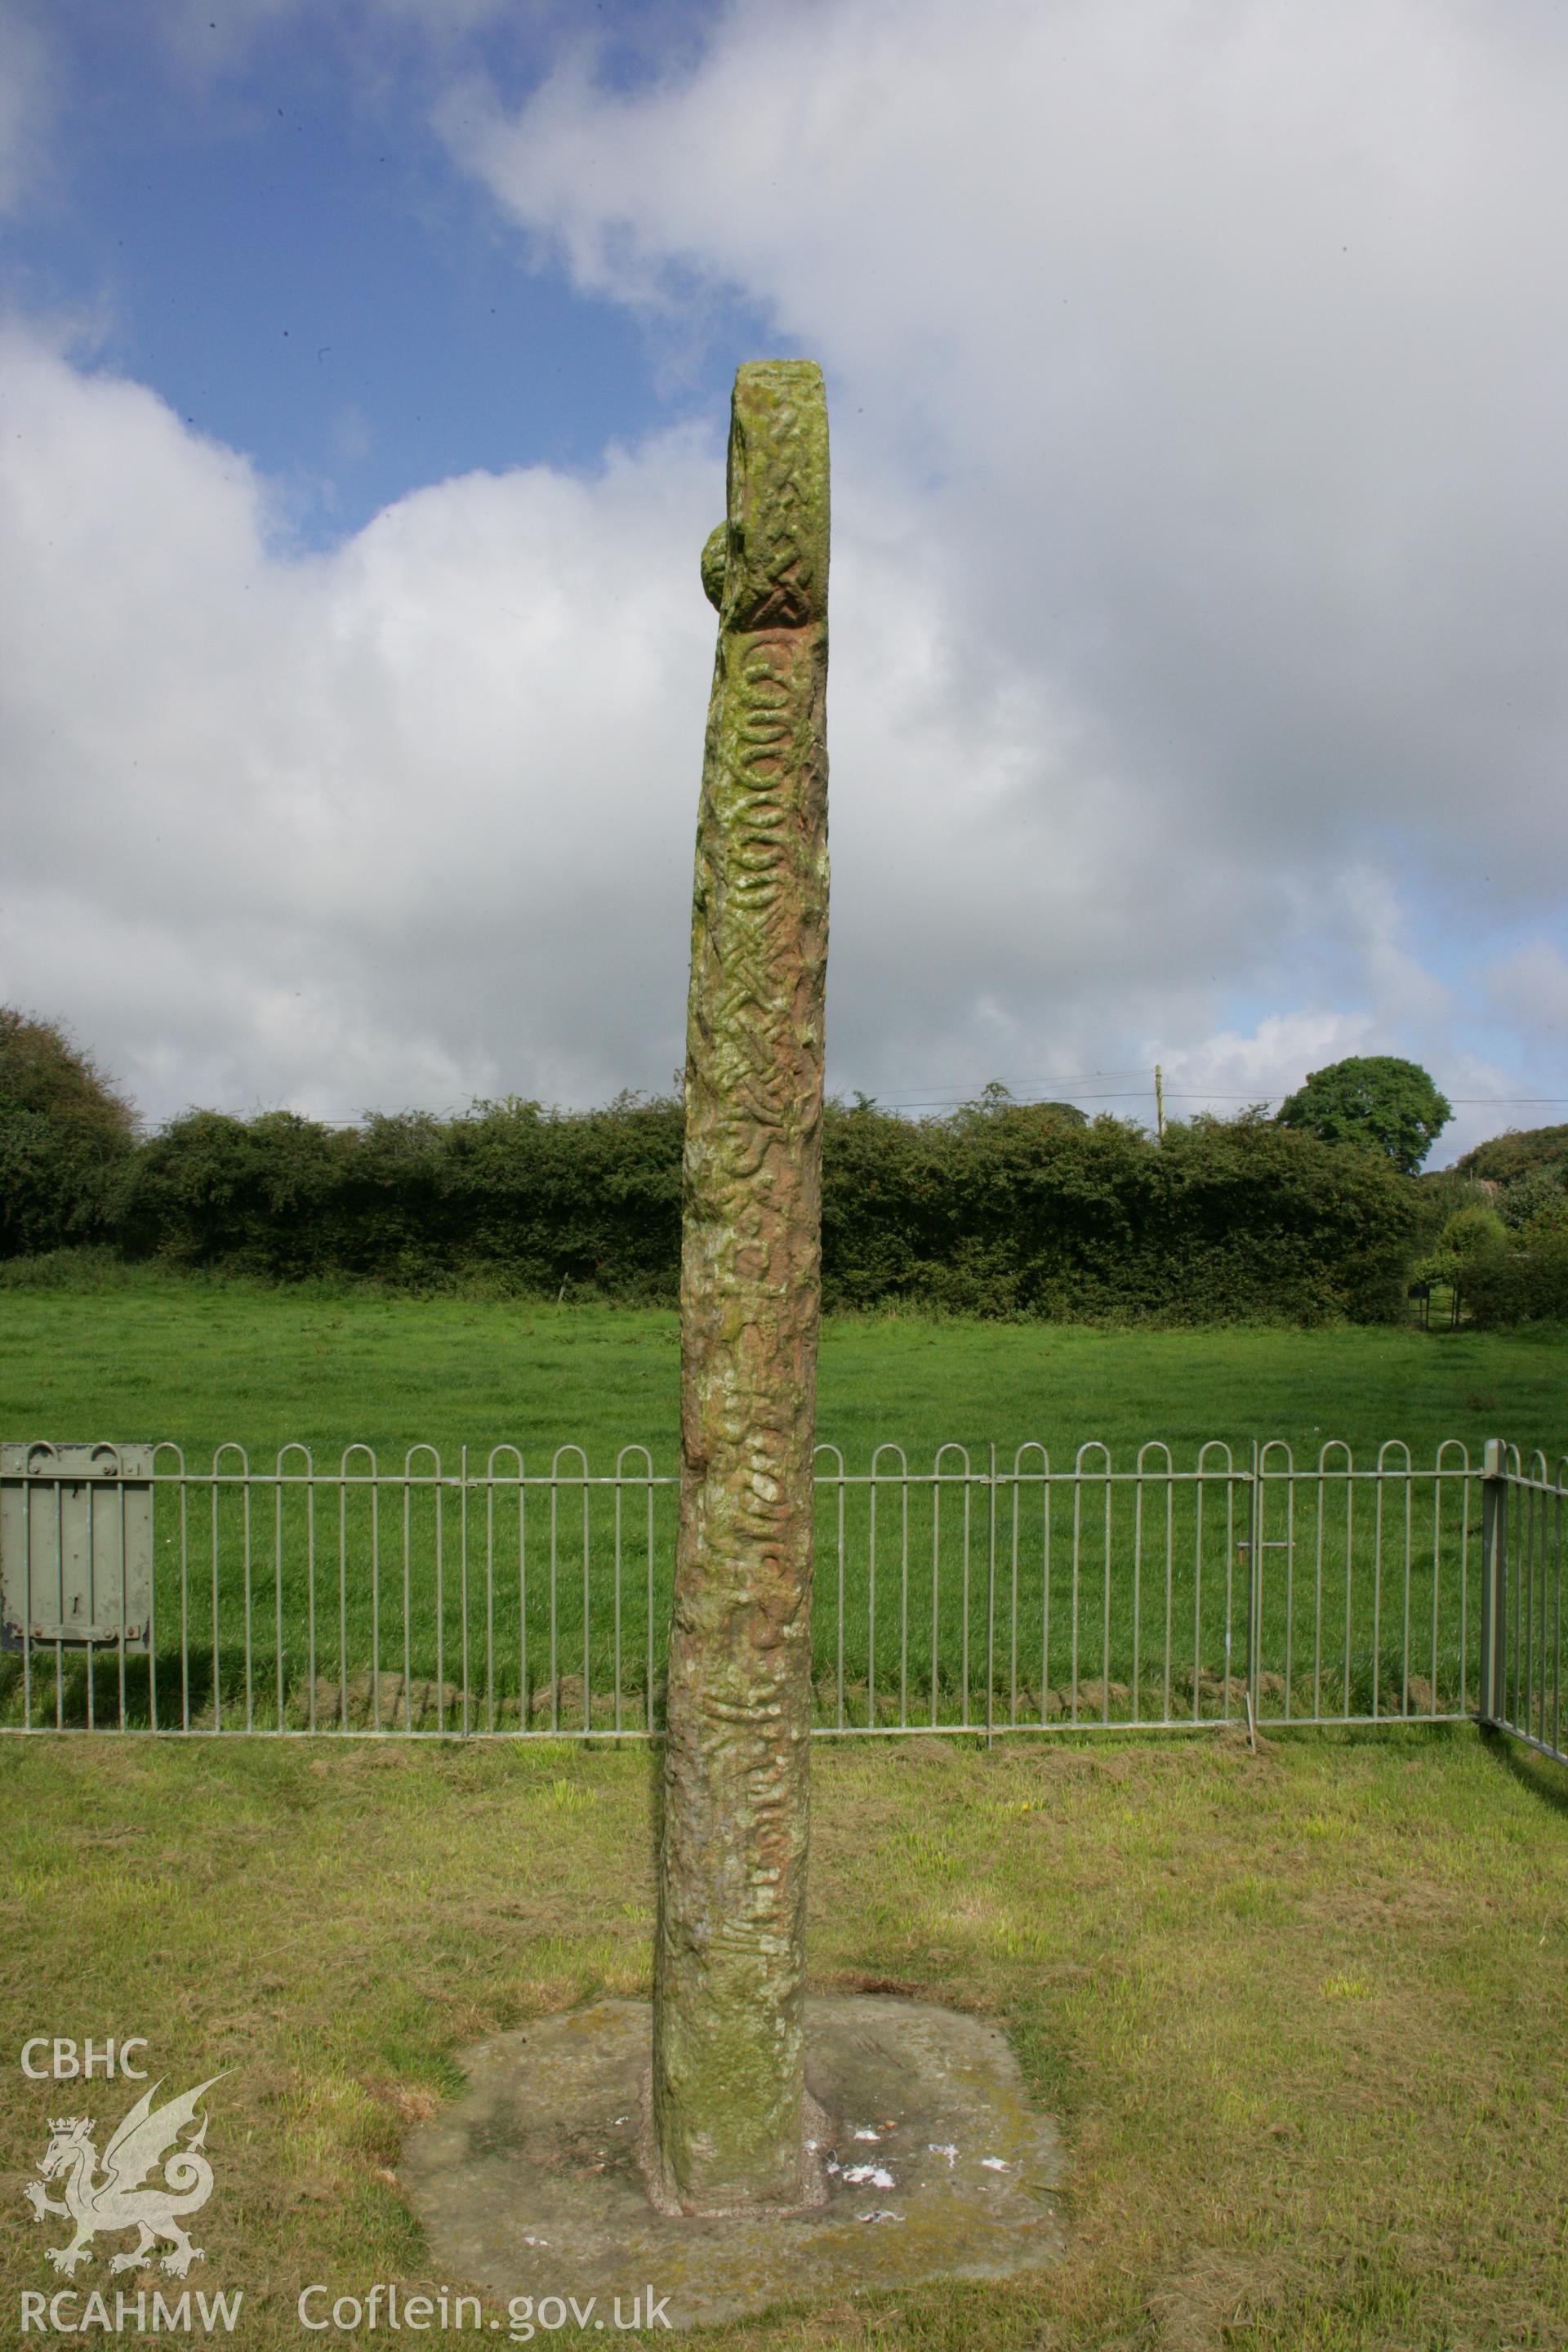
<point x="1223" y="328"/>
<point x="1203" y="355"/>
<point x="411" y="820"/>
<point x="387" y="825"/>
<point x="1229" y="1067"/>
<point x="418" y="815"/>
<point x="1199" y="505"/>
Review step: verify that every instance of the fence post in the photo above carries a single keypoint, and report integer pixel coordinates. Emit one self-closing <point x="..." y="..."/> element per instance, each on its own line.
<point x="1254" y="1592"/>
<point x="1492" y="1700"/>
<point x="991" y="1607"/>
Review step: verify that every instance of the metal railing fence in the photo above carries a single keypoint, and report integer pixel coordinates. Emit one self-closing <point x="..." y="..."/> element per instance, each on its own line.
<point x="973" y="1595"/>
<point x="1522" y="1648"/>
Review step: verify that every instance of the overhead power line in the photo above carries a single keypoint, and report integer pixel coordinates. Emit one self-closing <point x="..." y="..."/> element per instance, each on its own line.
<point x="1209" y="1094"/>
<point x="1082" y="1093"/>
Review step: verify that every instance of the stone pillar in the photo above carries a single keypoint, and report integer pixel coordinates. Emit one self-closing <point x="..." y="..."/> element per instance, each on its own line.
<point x="729" y="2094"/>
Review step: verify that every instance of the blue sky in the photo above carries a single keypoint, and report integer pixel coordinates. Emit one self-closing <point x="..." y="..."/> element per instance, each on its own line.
<point x="1199" y="535"/>
<point x="277" y="243"/>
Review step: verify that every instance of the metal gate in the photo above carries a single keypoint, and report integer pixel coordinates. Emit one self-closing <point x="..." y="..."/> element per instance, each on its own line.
<point x="970" y="1595"/>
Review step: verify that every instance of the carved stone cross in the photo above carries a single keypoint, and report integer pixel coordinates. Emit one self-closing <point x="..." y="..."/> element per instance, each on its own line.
<point x="729" y="2087"/>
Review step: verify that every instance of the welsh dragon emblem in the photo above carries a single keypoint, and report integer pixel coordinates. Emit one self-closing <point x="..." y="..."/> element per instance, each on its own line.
<point x="114" y="2199"/>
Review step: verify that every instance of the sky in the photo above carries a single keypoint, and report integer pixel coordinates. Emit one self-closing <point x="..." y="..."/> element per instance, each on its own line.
<point x="1195" y="373"/>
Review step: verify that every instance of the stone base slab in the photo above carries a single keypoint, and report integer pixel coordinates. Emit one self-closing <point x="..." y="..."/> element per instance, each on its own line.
<point x="935" y="2166"/>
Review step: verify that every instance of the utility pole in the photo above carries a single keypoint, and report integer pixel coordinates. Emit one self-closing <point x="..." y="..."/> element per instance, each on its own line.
<point x="1159" y="1104"/>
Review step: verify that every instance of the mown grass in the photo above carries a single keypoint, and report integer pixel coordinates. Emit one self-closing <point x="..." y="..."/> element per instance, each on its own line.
<point x="1298" y="2014"/>
<point x="153" y="1355"/>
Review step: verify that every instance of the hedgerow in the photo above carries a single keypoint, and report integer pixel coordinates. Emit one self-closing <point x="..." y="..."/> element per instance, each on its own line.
<point x="1002" y="1209"/>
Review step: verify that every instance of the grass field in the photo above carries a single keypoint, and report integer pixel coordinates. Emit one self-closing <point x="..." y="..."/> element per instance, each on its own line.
<point x="1300" y="2015"/>
<point x="154" y="1357"/>
<point x="307" y="1606"/>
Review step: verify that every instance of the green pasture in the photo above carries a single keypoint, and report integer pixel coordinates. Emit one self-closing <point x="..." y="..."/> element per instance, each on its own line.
<point x="347" y="1595"/>
<point x="145" y="1355"/>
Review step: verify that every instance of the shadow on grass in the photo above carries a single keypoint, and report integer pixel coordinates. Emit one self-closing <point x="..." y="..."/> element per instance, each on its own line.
<point x="1543" y="1779"/>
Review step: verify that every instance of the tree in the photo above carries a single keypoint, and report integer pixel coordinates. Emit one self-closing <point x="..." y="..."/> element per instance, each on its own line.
<point x="1536" y="1203"/>
<point x="996" y="1102"/>
<point x="1504" y="1158"/>
<point x="1374" y="1101"/>
<point x="65" y="1137"/>
<point x="1469" y="1234"/>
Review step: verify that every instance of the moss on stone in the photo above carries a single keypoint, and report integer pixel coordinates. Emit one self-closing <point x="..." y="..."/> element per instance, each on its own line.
<point x="728" y="2063"/>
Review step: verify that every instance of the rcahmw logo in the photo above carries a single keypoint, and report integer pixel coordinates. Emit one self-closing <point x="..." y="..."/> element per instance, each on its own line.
<point x="152" y="2175"/>
<point x="70" y="2313"/>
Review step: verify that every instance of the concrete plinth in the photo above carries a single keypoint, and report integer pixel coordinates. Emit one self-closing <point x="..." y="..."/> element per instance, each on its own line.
<point x="935" y="2168"/>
